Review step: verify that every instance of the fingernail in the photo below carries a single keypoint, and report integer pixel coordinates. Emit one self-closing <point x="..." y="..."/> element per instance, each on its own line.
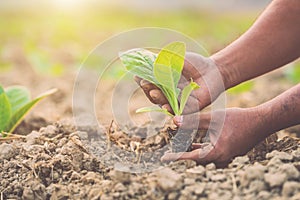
<point x="153" y="94"/>
<point x="164" y="106"/>
<point x="144" y="84"/>
<point x="178" y="120"/>
<point x="165" y="158"/>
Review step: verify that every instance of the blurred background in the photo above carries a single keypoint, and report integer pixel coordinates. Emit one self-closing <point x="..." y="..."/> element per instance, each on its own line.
<point x="54" y="35"/>
<point x="42" y="43"/>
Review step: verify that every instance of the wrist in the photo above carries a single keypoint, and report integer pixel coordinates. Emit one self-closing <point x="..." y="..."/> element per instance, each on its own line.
<point x="227" y="70"/>
<point x="263" y="118"/>
<point x="282" y="111"/>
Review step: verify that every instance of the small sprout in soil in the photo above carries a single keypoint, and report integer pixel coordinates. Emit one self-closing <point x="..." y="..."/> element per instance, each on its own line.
<point x="15" y="103"/>
<point x="164" y="71"/>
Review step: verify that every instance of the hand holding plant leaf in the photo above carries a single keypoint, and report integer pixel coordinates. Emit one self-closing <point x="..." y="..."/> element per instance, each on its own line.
<point x="15" y="103"/>
<point x="164" y="71"/>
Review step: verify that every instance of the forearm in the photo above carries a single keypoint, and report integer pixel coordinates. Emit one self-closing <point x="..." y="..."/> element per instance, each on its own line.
<point x="270" y="43"/>
<point x="279" y="113"/>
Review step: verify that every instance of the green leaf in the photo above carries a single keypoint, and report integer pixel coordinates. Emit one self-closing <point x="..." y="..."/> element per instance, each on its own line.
<point x="153" y="109"/>
<point x="18" y="96"/>
<point x="167" y="71"/>
<point x="163" y="70"/>
<point x="140" y="63"/>
<point x="169" y="87"/>
<point x="171" y="56"/>
<point x="186" y="93"/>
<point x="5" y="109"/>
<point x="21" y="112"/>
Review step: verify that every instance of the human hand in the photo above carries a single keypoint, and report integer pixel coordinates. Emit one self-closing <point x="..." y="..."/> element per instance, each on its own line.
<point x="232" y="132"/>
<point x="203" y="71"/>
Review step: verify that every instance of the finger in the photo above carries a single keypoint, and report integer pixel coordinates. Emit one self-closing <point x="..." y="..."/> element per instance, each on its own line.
<point x="168" y="108"/>
<point x="147" y="86"/>
<point x="192" y="60"/>
<point x="198" y="121"/>
<point x="201" y="156"/>
<point x="158" y="97"/>
<point x="196" y="146"/>
<point x="137" y="80"/>
<point x="168" y="157"/>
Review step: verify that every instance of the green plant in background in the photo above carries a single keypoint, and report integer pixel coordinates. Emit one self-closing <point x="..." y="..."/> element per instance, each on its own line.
<point x="241" y="88"/>
<point x="164" y="71"/>
<point x="4" y="66"/>
<point x="41" y="60"/>
<point x="15" y="103"/>
<point x="293" y="72"/>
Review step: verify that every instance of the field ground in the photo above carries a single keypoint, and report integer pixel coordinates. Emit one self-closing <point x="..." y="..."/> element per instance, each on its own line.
<point x="43" y="50"/>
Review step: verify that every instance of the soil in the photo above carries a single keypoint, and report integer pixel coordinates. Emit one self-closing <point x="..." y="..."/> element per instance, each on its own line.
<point x="54" y="163"/>
<point x="55" y="160"/>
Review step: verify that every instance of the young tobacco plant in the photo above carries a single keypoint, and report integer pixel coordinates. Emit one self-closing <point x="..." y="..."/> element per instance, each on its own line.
<point x="15" y="103"/>
<point x="164" y="71"/>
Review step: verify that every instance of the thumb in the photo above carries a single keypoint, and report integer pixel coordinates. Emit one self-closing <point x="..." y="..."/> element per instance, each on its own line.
<point x="193" y="121"/>
<point x="201" y="156"/>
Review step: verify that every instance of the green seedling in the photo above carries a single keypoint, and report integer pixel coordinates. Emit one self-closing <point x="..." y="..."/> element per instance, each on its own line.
<point x="164" y="71"/>
<point x="15" y="103"/>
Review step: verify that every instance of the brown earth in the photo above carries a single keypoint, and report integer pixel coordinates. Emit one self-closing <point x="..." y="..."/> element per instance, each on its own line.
<point x="54" y="163"/>
<point x="55" y="160"/>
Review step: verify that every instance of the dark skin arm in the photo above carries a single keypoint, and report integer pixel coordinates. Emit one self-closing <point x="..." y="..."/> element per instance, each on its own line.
<point x="270" y="43"/>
